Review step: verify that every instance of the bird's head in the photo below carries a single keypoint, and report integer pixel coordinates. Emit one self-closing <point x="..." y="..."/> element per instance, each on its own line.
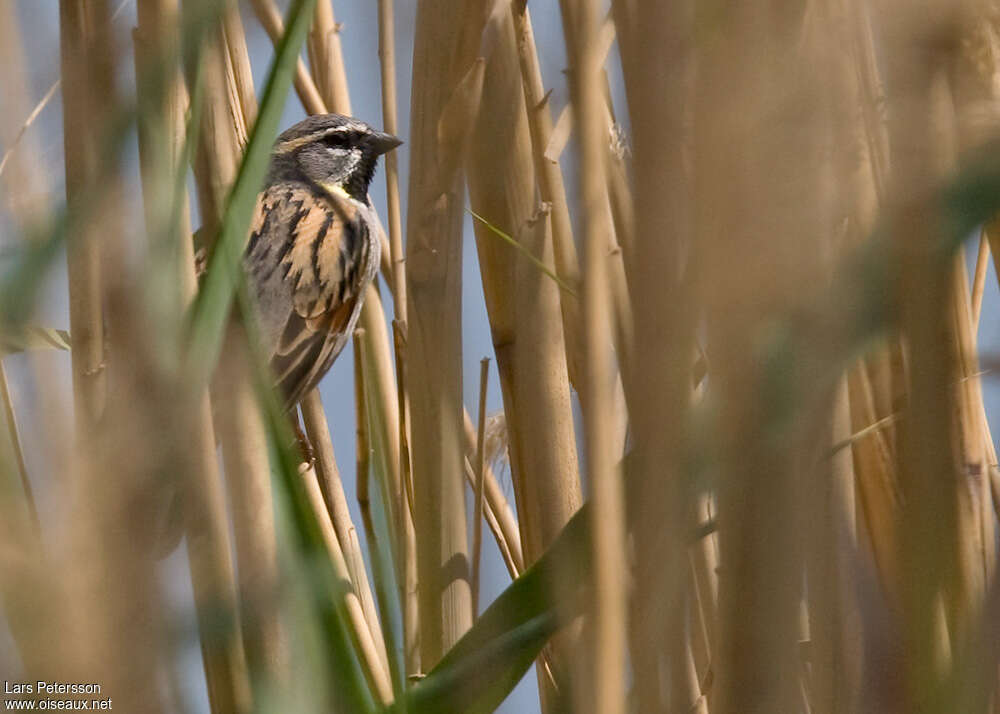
<point x="335" y="152"/>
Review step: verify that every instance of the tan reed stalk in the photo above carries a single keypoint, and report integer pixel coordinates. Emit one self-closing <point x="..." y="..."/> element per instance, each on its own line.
<point x="239" y="65"/>
<point x="390" y="124"/>
<point x="655" y="230"/>
<point x="270" y="18"/>
<point x="331" y="78"/>
<point x="976" y="517"/>
<point x="245" y="454"/>
<point x="509" y="557"/>
<point x="83" y="252"/>
<point x="704" y="559"/>
<point x="222" y="136"/>
<point x="114" y="502"/>
<point x="979" y="279"/>
<point x="336" y="502"/>
<point x="443" y="96"/>
<point x="877" y="482"/>
<point x="834" y="680"/>
<point x="762" y="240"/>
<point x="928" y="460"/>
<point x="202" y="493"/>
<point x="507" y="531"/>
<point x="550" y="186"/>
<point x="371" y="658"/>
<point x="13" y="435"/>
<point x="326" y="59"/>
<point x="25" y="183"/>
<point x="477" y="492"/>
<point x="522" y="302"/>
<point x="241" y="425"/>
<point x="607" y="662"/>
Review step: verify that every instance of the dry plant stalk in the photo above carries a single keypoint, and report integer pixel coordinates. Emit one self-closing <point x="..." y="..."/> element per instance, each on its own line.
<point x="444" y="51"/>
<point x="606" y="665"/>
<point x="229" y="110"/>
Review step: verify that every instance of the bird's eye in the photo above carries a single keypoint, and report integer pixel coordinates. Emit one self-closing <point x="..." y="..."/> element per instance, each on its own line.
<point x="337" y="140"/>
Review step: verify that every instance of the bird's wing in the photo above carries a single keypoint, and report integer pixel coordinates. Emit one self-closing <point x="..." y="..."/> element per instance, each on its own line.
<point x="308" y="262"/>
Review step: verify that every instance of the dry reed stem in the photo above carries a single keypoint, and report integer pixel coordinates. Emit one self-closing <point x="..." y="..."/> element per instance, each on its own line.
<point x="26" y="185"/>
<point x="397" y="276"/>
<point x="369" y="654"/>
<point x="523" y="303"/>
<point x="326" y="59"/>
<point x="508" y="532"/>
<point x="83" y="252"/>
<point x="758" y="254"/>
<point x="383" y="403"/>
<point x="318" y="432"/>
<point x="477" y="492"/>
<point x="835" y="680"/>
<point x="655" y="229"/>
<point x="704" y="559"/>
<point x="390" y="124"/>
<point x="14" y="437"/>
<point x="877" y="483"/>
<point x="979" y="280"/>
<point x="270" y="18"/>
<point x="113" y="501"/>
<point x="444" y="53"/>
<point x="550" y="187"/>
<point x="607" y="662"/>
<point x="931" y="555"/>
<point x="245" y="454"/>
<point x="976" y="519"/>
<point x="331" y="78"/>
<point x="241" y="426"/>
<point x="238" y="66"/>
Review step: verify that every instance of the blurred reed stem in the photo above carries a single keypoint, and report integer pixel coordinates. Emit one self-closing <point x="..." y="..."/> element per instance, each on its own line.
<point x="606" y="664"/>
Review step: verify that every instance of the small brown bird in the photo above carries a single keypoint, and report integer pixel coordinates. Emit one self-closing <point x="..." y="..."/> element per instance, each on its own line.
<point x="314" y="245"/>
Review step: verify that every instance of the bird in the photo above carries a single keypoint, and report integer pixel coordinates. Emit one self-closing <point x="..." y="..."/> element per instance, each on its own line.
<point x="314" y="246"/>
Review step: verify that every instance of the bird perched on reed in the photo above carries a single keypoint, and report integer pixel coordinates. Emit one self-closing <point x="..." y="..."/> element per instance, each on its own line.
<point x="314" y="245"/>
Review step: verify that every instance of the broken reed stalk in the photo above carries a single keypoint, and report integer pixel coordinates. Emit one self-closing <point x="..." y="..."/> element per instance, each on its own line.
<point x="608" y="606"/>
<point x="480" y="468"/>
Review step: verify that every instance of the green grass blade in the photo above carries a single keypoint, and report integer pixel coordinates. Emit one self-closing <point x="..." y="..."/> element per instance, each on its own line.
<point x="506" y="237"/>
<point x="33" y="338"/>
<point x="478" y="673"/>
<point x="224" y="270"/>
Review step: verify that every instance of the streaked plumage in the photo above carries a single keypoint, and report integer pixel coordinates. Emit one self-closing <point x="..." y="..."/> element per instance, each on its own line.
<point x="313" y="245"/>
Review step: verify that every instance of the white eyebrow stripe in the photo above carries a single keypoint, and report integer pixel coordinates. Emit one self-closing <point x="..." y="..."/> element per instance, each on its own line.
<point x="293" y="144"/>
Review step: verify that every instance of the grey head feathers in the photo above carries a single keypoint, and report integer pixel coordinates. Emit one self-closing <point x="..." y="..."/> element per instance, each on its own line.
<point x="330" y="151"/>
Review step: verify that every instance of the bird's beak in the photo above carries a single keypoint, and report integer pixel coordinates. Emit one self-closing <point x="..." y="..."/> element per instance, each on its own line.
<point x="383" y="142"/>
